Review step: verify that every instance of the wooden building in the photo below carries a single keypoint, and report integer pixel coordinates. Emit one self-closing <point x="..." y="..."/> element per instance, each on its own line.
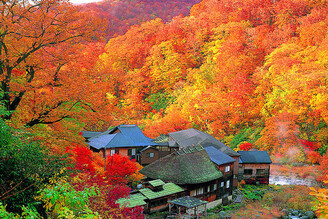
<point x="148" y="155"/>
<point x="190" y="137"/>
<point x="154" y="197"/>
<point x="126" y="140"/>
<point x="152" y="153"/>
<point x="254" y="167"/>
<point x="192" y="169"/>
<point x="225" y="164"/>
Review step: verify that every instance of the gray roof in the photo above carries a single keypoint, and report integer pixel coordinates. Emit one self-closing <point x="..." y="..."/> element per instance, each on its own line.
<point x="162" y="140"/>
<point x="128" y="136"/>
<point x="260" y="157"/>
<point x="89" y="134"/>
<point x="218" y="157"/>
<point x="192" y="136"/>
<point x="188" y="202"/>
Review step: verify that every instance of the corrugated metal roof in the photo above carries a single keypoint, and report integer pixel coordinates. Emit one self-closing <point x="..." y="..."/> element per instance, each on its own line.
<point x="184" y="136"/>
<point x="189" y="137"/>
<point x="132" y="201"/>
<point x="168" y="189"/>
<point x="218" y="156"/>
<point x="254" y="157"/>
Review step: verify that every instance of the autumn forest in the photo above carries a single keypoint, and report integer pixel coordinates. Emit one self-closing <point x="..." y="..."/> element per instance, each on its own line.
<point x="248" y="72"/>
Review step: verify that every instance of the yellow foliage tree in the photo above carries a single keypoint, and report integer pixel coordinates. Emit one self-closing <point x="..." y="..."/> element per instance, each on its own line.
<point x="322" y="201"/>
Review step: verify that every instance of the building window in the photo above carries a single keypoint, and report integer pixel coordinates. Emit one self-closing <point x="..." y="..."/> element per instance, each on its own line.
<point x="131" y="151"/>
<point x="222" y="184"/>
<point x="248" y="171"/>
<point x="208" y="188"/>
<point x="112" y="152"/>
<point x="215" y="187"/>
<point x="199" y="191"/>
<point x="227" y="168"/>
<point x="260" y="171"/>
<point x="228" y="184"/>
<point x="150" y="154"/>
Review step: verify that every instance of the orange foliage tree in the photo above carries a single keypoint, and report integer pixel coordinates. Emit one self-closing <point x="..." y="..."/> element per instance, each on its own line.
<point x="230" y="65"/>
<point x="323" y="168"/>
<point x="279" y="134"/>
<point x="38" y="40"/>
<point x="322" y="200"/>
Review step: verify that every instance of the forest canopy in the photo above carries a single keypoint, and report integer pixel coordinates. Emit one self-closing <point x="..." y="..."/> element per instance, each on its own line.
<point x="252" y="73"/>
<point x="229" y="66"/>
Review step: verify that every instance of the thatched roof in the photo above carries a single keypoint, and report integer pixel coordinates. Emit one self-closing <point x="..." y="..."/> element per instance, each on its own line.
<point x="183" y="167"/>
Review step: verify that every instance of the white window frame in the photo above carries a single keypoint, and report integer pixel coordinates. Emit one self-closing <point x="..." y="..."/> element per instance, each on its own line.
<point x="112" y="152"/>
<point x="200" y="191"/>
<point x="227" y="169"/>
<point x="150" y="154"/>
<point x="228" y="184"/>
<point x="222" y="184"/>
<point x="215" y="187"/>
<point x="131" y="152"/>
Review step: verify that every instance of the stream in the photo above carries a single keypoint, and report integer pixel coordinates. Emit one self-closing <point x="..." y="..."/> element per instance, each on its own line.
<point x="291" y="180"/>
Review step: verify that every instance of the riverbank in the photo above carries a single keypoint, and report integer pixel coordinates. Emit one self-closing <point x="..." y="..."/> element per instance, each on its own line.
<point x="274" y="202"/>
<point x="294" y="175"/>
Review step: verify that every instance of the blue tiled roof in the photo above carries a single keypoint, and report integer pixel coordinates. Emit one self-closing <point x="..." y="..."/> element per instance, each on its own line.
<point x="134" y="133"/>
<point x="217" y="156"/>
<point x="100" y="141"/>
<point x="254" y="157"/>
<point x="129" y="136"/>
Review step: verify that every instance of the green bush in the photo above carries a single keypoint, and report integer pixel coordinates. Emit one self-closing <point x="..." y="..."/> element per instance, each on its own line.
<point x="253" y="192"/>
<point x="25" y="167"/>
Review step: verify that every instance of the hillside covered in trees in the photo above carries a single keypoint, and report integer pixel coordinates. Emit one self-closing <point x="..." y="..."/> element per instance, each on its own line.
<point x="121" y="15"/>
<point x="245" y="71"/>
<point x="241" y="70"/>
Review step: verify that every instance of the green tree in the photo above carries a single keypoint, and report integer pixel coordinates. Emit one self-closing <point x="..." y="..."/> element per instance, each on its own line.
<point x="25" y="167"/>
